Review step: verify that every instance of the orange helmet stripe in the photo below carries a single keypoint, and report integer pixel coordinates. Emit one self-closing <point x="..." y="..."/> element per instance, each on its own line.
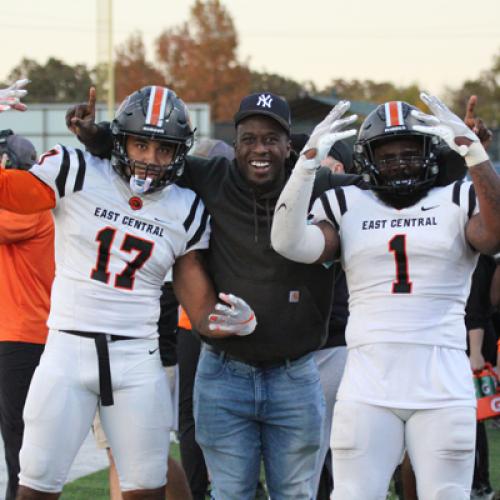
<point x="156" y="106"/>
<point x="393" y="114"/>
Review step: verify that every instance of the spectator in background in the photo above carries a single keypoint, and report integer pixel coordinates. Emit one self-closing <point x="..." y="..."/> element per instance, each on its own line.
<point x="482" y="349"/>
<point x="495" y="302"/>
<point x="26" y="275"/>
<point x="210" y="148"/>
<point x="339" y="158"/>
<point x="481" y="331"/>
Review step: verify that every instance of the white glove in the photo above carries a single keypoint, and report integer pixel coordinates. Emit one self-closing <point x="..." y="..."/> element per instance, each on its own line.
<point x="11" y="96"/>
<point x="449" y="126"/>
<point x="239" y="318"/>
<point x="325" y="135"/>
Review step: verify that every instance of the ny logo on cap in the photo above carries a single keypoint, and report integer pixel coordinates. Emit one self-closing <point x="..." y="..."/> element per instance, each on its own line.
<point x="265" y="100"/>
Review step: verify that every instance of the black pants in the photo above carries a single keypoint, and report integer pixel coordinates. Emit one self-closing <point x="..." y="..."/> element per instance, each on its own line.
<point x="481" y="464"/>
<point x="188" y="352"/>
<point x="325" y="486"/>
<point x="18" y="361"/>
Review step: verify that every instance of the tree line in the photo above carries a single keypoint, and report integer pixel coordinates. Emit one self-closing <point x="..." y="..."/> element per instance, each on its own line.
<point x="198" y="59"/>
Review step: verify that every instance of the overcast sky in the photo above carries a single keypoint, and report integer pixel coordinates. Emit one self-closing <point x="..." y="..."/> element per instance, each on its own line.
<point x="435" y="43"/>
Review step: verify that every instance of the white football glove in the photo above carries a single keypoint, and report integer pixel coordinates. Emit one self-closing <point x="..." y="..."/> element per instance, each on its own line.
<point x="449" y="126"/>
<point x="11" y="96"/>
<point x="237" y="318"/>
<point x="325" y="135"/>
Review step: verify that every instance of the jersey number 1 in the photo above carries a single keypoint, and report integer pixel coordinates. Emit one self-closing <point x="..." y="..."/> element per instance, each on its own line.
<point x="398" y="246"/>
<point x="126" y="278"/>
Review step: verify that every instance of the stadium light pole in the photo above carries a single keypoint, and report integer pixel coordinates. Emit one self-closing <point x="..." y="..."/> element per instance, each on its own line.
<point x="111" y="65"/>
<point x="104" y="35"/>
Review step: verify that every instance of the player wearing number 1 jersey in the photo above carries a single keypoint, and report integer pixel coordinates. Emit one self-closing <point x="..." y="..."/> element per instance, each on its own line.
<point x="408" y="249"/>
<point x="120" y="226"/>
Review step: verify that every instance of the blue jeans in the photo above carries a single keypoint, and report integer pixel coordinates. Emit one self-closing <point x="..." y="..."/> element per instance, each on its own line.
<point x="243" y="413"/>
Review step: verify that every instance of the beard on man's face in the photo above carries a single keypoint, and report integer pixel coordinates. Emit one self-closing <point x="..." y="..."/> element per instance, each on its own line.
<point x="401" y="200"/>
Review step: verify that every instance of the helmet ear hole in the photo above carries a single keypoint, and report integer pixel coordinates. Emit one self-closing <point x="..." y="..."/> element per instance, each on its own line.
<point x="154" y="113"/>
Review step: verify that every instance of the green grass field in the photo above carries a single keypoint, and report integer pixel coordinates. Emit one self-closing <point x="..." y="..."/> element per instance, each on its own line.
<point x="95" y="486"/>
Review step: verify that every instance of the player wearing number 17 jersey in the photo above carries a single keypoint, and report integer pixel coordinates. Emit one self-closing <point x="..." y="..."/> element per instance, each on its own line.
<point x="120" y="226"/>
<point x="408" y="249"/>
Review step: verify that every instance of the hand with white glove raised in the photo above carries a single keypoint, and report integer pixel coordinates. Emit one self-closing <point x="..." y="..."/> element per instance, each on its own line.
<point x="238" y="318"/>
<point x="10" y="98"/>
<point x="451" y="129"/>
<point x="325" y="135"/>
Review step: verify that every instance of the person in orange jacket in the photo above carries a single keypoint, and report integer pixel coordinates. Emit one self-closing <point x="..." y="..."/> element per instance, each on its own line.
<point x="26" y="275"/>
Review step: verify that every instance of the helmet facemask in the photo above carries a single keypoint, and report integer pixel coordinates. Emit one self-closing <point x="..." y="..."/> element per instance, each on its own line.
<point x="405" y="172"/>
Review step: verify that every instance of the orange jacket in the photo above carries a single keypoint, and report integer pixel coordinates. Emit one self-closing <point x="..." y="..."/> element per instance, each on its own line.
<point x="26" y="275"/>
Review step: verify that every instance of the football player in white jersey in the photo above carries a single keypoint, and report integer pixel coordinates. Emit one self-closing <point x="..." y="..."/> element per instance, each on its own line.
<point x="120" y="226"/>
<point x="408" y="249"/>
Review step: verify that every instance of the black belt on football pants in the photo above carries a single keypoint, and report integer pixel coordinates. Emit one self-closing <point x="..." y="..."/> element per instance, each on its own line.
<point x="101" y="345"/>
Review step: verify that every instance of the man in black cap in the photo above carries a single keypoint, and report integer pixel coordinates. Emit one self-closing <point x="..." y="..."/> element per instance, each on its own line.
<point x="259" y="396"/>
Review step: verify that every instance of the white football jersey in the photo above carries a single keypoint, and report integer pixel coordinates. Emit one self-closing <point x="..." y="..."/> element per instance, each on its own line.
<point x="114" y="248"/>
<point x="408" y="273"/>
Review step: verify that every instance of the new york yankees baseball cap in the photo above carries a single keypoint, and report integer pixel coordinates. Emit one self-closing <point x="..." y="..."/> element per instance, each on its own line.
<point x="267" y="104"/>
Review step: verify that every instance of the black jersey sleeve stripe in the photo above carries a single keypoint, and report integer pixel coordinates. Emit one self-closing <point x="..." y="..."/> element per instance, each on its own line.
<point x="472" y="200"/>
<point x="339" y="193"/>
<point x="456" y="193"/>
<point x="199" y="232"/>
<point x="192" y="212"/>
<point x="328" y="210"/>
<point x="62" y="176"/>
<point x="80" y="175"/>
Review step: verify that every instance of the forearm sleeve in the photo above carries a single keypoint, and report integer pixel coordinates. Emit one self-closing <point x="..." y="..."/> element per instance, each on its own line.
<point x="291" y="236"/>
<point x="23" y="193"/>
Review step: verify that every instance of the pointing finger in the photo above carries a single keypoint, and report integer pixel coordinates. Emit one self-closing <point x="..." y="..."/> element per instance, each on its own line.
<point x="469" y="110"/>
<point x="92" y="99"/>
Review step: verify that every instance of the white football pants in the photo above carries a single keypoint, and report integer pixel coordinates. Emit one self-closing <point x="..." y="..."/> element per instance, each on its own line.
<point x="63" y="399"/>
<point x="368" y="443"/>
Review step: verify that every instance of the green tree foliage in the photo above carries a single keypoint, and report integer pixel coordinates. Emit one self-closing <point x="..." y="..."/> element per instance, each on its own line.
<point x="54" y="81"/>
<point x="370" y="91"/>
<point x="132" y="70"/>
<point x="277" y="84"/>
<point x="199" y="59"/>
<point x="487" y="89"/>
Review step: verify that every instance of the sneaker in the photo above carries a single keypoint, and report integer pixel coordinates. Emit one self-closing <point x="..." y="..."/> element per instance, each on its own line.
<point x="488" y="494"/>
<point x="476" y="494"/>
<point x="484" y="493"/>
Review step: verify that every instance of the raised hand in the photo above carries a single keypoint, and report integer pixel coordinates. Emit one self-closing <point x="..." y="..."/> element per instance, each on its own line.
<point x="447" y="125"/>
<point x="327" y="133"/>
<point x="238" y="318"/>
<point x="476" y="124"/>
<point x="80" y="119"/>
<point x="10" y="98"/>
